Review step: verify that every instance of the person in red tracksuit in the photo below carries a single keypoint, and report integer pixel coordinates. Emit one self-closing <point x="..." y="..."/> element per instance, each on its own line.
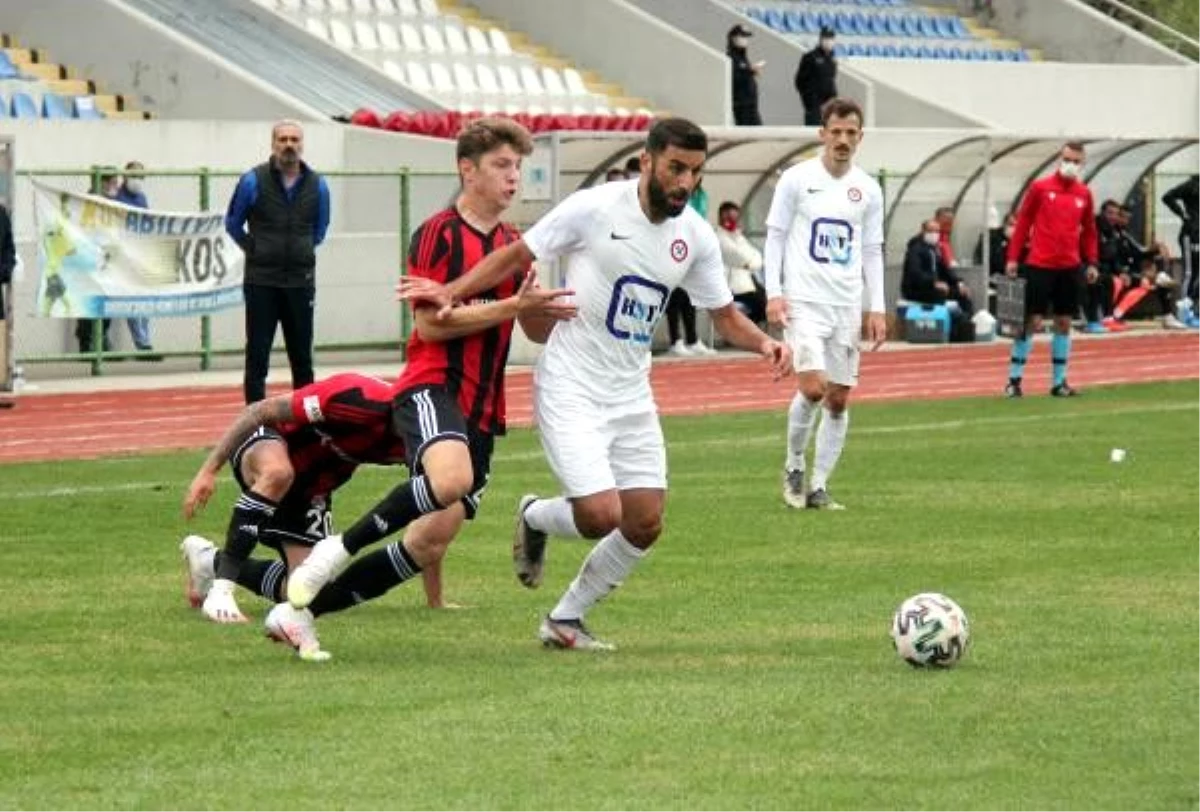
<point x="1058" y="220"/>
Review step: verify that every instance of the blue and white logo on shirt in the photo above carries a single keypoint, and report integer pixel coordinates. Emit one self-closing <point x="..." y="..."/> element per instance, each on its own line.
<point x="832" y="240"/>
<point x="635" y="308"/>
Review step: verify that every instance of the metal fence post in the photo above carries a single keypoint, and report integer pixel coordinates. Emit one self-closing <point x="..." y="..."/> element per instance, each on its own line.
<point x="205" y="320"/>
<point x="97" y="324"/>
<point x="405" y="231"/>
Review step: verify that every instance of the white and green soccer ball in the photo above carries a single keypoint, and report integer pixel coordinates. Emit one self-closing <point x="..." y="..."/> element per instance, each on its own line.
<point x="930" y="631"/>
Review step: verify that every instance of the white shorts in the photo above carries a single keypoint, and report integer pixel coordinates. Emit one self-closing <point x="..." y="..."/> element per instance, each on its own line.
<point x="594" y="448"/>
<point x="824" y="338"/>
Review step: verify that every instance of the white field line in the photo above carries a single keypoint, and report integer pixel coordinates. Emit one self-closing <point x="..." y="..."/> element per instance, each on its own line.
<point x="716" y="442"/>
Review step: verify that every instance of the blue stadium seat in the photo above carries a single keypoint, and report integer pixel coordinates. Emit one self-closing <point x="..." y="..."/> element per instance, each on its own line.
<point x="876" y="25"/>
<point x="841" y="23"/>
<point x="1022" y="55"/>
<point x="23" y="106"/>
<point x="995" y="55"/>
<point x="927" y="26"/>
<point x="3" y="108"/>
<point x="891" y="24"/>
<point x="85" y="108"/>
<point x="858" y="24"/>
<point x="907" y="51"/>
<point x="926" y="52"/>
<point x="7" y="69"/>
<point x="55" y="106"/>
<point x="889" y="50"/>
<point x="908" y="24"/>
<point x="959" y="28"/>
<point x="956" y="53"/>
<point x="945" y="27"/>
<point x="856" y="49"/>
<point x="808" y="23"/>
<point x="975" y="55"/>
<point x="794" y="20"/>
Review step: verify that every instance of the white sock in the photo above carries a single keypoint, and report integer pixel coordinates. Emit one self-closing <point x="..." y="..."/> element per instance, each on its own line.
<point x="607" y="565"/>
<point x="800" y="420"/>
<point x="553" y="516"/>
<point x="831" y="437"/>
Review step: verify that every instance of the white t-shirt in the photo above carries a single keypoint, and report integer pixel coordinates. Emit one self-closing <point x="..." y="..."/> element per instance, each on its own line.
<point x="622" y="268"/>
<point x="828" y="220"/>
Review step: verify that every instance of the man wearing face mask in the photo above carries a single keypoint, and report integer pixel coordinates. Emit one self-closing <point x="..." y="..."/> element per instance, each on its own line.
<point x="1057" y="217"/>
<point x="742" y="263"/>
<point x="816" y="78"/>
<point x="928" y="279"/>
<point x="278" y="215"/>
<point x="745" y="77"/>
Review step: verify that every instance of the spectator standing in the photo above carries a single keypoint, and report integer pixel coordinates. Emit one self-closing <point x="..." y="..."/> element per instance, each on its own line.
<point x="743" y="262"/>
<point x="110" y="184"/>
<point x="131" y="193"/>
<point x="745" y="77"/>
<point x="1057" y="218"/>
<point x="8" y="261"/>
<point x="1184" y="201"/>
<point x="816" y="77"/>
<point x="278" y="215"/>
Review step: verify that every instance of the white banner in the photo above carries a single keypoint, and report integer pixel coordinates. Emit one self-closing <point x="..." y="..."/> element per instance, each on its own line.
<point x="102" y="259"/>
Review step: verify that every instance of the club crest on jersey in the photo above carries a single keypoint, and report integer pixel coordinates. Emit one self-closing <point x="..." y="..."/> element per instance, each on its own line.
<point x="831" y="241"/>
<point x="635" y="308"/>
<point x="854" y="194"/>
<point x="312" y="408"/>
<point x="679" y="250"/>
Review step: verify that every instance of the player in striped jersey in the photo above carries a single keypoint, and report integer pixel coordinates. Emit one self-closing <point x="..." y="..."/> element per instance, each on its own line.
<point x="451" y="401"/>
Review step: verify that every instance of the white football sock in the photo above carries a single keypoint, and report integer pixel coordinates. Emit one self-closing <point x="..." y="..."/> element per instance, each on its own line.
<point x="553" y="516"/>
<point x="607" y="565"/>
<point x="800" y="420"/>
<point x="831" y="438"/>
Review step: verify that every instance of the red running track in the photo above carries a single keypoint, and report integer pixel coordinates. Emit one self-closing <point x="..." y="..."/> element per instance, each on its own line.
<point x="105" y="423"/>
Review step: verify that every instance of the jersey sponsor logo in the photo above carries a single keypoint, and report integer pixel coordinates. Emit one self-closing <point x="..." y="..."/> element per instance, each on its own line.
<point x="312" y="409"/>
<point x="831" y="241"/>
<point x="679" y="250"/>
<point x="635" y="308"/>
<point x="854" y="194"/>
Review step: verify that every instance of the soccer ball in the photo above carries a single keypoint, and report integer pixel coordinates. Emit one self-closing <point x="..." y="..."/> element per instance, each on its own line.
<point x="930" y="631"/>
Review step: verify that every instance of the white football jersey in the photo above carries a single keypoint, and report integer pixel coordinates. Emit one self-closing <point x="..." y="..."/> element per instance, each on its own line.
<point x="622" y="268"/>
<point x="828" y="220"/>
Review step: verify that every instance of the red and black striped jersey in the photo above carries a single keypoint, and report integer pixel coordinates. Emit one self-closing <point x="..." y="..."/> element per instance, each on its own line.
<point x="471" y="367"/>
<point x="340" y="423"/>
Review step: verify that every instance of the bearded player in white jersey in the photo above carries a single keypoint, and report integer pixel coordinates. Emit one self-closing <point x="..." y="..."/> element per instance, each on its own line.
<point x="824" y="244"/>
<point x="626" y="245"/>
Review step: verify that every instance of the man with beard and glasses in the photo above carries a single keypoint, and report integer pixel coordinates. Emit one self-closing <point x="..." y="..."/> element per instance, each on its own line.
<point x="626" y="246"/>
<point x="278" y="215"/>
<point x="824" y="246"/>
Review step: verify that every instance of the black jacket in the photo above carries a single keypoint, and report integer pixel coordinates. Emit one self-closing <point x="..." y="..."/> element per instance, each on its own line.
<point x="923" y="267"/>
<point x="8" y="251"/>
<point x="816" y="78"/>
<point x="745" y="83"/>
<point x="282" y="249"/>
<point x="1184" y="200"/>
<point x="997" y="250"/>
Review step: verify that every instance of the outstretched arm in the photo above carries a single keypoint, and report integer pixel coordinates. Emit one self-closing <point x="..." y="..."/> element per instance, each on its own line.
<point x="486" y="274"/>
<point x="530" y="301"/>
<point x="271" y="412"/>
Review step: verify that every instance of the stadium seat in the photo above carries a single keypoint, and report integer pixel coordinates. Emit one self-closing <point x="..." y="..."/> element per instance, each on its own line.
<point x="428" y="8"/>
<point x="365" y="117"/>
<point x="394" y="71"/>
<point x="499" y="43"/>
<point x="908" y="51"/>
<point x="456" y="40"/>
<point x="410" y="39"/>
<point x="389" y="39"/>
<point x="340" y="35"/>
<point x="362" y="8"/>
<point x="315" y="6"/>
<point x="876" y="26"/>
<point x="23" y="106"/>
<point x="85" y="108"/>
<point x="7" y="69"/>
<point x="510" y="84"/>
<point x="338" y="6"/>
<point x="317" y="28"/>
<point x="405" y="8"/>
<point x="434" y="43"/>
<point x="478" y="43"/>
<point x="531" y="82"/>
<point x="365" y="36"/>
<point x="418" y="77"/>
<point x="945" y="27"/>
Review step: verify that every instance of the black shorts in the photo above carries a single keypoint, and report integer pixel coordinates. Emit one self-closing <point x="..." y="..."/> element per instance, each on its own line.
<point x="1054" y="291"/>
<point x="299" y="519"/>
<point x="425" y="415"/>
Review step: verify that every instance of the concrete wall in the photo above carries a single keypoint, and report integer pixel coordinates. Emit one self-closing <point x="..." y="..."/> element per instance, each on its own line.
<point x="1071" y="31"/>
<point x="357" y="266"/>
<point x="626" y="45"/>
<point x="165" y="74"/>
<point x="886" y="104"/>
<point x="1127" y="101"/>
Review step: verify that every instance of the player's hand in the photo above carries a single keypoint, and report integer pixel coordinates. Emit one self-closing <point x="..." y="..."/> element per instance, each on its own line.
<point x="199" y="492"/>
<point x="534" y="300"/>
<point x="876" y="330"/>
<point x="1010" y="270"/>
<point x="779" y="356"/>
<point x="942" y="286"/>
<point x="1092" y="274"/>
<point x="421" y="289"/>
<point x="777" y="311"/>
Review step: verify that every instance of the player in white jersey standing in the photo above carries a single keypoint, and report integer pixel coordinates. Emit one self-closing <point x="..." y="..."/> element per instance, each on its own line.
<point x="626" y="245"/>
<point x="824" y="242"/>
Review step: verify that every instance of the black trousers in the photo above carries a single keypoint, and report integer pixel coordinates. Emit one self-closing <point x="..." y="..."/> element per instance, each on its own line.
<point x="747" y="115"/>
<point x="679" y="308"/>
<point x="267" y="307"/>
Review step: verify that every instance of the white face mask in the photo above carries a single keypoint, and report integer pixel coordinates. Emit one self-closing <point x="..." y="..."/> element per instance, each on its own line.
<point x="1068" y="169"/>
<point x="740" y="42"/>
<point x="134" y="185"/>
<point x="933" y="237"/>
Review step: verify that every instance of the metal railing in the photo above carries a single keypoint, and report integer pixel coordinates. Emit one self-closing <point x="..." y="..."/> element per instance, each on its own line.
<point x="204" y="177"/>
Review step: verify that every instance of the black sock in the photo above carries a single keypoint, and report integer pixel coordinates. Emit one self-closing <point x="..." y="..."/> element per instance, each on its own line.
<point x="405" y="503"/>
<point x="367" y="578"/>
<point x="249" y="514"/>
<point x="264" y="578"/>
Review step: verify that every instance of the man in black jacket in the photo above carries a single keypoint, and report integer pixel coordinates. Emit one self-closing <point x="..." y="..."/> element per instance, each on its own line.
<point x="8" y="261"/>
<point x="1184" y="201"/>
<point x="816" y="78"/>
<point x="279" y="214"/>
<point x="927" y="279"/>
<point x="745" y="77"/>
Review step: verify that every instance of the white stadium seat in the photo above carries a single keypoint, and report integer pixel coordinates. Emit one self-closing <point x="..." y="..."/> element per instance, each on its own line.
<point x="574" y="82"/>
<point x="339" y="35"/>
<point x="433" y="39"/>
<point x="317" y="28"/>
<point x="486" y="79"/>
<point x="499" y="42"/>
<point x="530" y="82"/>
<point x="338" y="6"/>
<point x="385" y="8"/>
<point x="477" y="42"/>
<point x="410" y="39"/>
<point x="428" y="8"/>
<point x="389" y="40"/>
<point x="364" y="36"/>
<point x="315" y="6"/>
<point x="456" y="41"/>
<point x="510" y="85"/>
<point x="418" y="79"/>
<point x="407" y="8"/>
<point x="395" y="71"/>
<point x="552" y="81"/>
<point x="362" y="8"/>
